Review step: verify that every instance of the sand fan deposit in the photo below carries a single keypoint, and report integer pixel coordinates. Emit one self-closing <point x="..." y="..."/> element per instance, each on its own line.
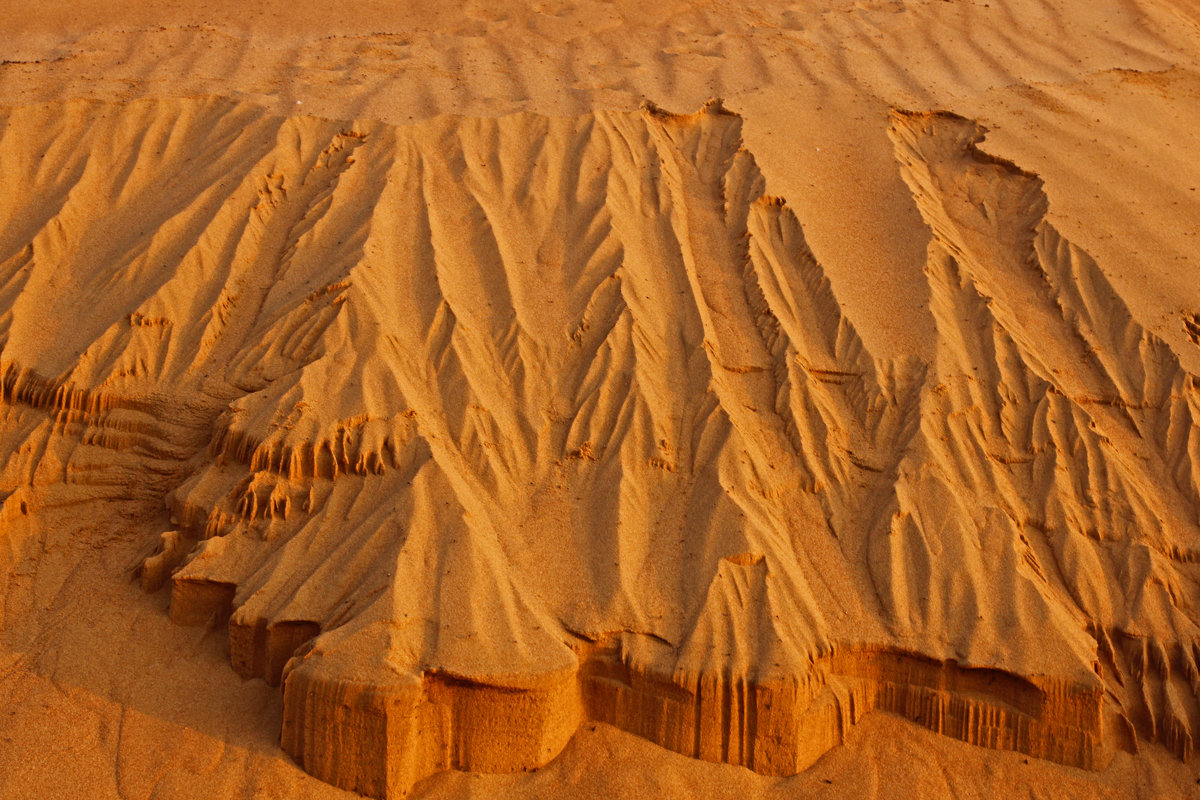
<point x="478" y="428"/>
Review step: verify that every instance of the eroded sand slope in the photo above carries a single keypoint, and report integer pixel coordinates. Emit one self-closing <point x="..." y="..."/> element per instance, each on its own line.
<point x="500" y="425"/>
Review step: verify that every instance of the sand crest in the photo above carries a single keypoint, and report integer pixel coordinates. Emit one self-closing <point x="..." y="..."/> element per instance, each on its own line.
<point x="569" y="426"/>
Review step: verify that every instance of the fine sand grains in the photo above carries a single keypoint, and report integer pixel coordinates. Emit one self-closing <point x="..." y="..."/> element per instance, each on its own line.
<point x="563" y="431"/>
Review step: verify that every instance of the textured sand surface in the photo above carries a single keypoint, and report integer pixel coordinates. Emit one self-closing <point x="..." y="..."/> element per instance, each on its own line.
<point x="418" y="363"/>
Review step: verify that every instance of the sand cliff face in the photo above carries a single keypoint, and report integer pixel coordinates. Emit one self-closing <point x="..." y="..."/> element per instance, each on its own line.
<point x="478" y="428"/>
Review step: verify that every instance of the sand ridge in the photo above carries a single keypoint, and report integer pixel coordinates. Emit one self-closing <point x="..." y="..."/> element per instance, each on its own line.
<point x="460" y="457"/>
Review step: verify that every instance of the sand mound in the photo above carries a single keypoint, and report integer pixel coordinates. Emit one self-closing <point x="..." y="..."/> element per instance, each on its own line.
<point x="478" y="428"/>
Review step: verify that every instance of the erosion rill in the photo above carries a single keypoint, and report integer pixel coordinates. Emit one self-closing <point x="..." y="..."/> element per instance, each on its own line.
<point x="478" y="428"/>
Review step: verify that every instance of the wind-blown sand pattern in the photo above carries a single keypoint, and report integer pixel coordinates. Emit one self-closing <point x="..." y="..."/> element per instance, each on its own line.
<point x="477" y="429"/>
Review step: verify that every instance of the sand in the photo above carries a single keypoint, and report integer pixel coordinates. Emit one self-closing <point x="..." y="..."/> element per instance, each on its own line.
<point x="464" y="402"/>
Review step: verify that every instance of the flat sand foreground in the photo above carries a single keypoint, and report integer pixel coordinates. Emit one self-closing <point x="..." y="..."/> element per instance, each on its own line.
<point x="466" y="402"/>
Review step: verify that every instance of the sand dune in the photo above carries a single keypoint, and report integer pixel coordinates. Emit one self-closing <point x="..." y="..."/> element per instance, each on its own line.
<point x="480" y="428"/>
<point x="502" y="418"/>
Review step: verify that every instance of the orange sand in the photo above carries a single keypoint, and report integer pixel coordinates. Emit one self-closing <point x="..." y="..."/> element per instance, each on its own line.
<point x="541" y="442"/>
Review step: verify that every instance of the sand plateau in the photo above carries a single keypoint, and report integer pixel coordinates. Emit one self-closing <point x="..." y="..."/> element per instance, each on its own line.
<point x="477" y="429"/>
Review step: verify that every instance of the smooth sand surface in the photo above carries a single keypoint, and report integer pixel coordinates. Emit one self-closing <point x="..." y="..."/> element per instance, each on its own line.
<point x="462" y="402"/>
